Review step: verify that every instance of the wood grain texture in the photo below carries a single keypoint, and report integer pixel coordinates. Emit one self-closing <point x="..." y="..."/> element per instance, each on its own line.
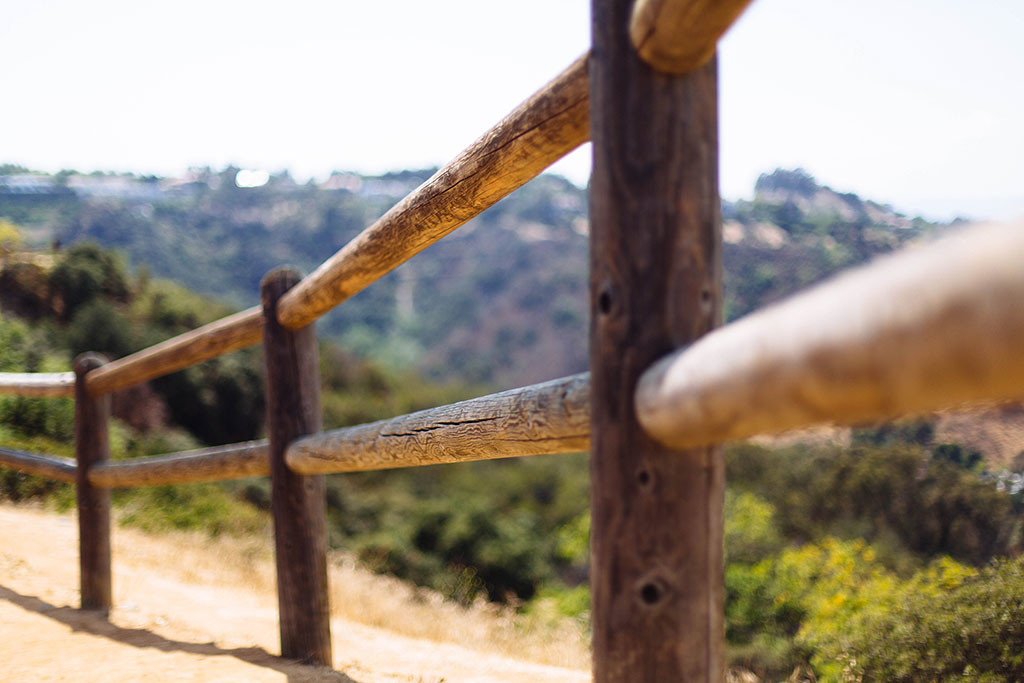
<point x="234" y="332"/>
<point x="49" y="466"/>
<point x="930" y="328"/>
<point x="546" y="127"/>
<point x="38" y="384"/>
<point x="678" y="36"/>
<point x="298" y="502"/>
<point x="656" y="570"/>
<point x="235" y="461"/>
<point x="553" y="417"/>
<point x="92" y="447"/>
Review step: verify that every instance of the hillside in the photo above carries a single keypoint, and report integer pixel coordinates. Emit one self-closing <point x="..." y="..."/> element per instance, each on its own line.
<point x="795" y="232"/>
<point x="502" y="301"/>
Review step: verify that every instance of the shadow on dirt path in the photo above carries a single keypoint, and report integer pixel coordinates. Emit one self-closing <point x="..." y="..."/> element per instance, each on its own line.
<point x="96" y="624"/>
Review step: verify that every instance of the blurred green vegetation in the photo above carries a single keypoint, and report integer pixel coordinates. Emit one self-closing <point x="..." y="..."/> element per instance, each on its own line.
<point x="850" y="537"/>
<point x="877" y="561"/>
<point x="476" y="531"/>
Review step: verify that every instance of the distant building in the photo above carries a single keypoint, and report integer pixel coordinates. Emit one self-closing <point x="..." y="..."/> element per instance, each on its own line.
<point x="27" y="183"/>
<point x="112" y="187"/>
<point x="343" y="181"/>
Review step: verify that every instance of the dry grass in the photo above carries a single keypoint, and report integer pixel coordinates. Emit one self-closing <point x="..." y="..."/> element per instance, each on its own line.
<point x="386" y="602"/>
<point x="366" y="598"/>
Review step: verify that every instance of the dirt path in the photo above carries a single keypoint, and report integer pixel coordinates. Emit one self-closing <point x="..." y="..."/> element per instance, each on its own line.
<point x="190" y="612"/>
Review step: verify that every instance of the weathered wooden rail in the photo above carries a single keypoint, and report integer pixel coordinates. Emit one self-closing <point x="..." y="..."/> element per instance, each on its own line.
<point x="921" y="330"/>
<point x="38" y="384"/>
<point x="50" y="466"/>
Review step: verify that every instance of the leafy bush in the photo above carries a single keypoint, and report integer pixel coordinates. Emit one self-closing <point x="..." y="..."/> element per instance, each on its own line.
<point x="894" y="495"/>
<point x="947" y="623"/>
<point x="50" y="417"/>
<point x="98" y="326"/>
<point x="750" y="529"/>
<point x="219" y="401"/>
<point x="85" y="272"/>
<point x="211" y="508"/>
<point x="491" y="529"/>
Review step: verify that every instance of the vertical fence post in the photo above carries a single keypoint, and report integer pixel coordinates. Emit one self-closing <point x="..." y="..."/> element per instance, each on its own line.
<point x="298" y="502"/>
<point x="92" y="415"/>
<point x="655" y="283"/>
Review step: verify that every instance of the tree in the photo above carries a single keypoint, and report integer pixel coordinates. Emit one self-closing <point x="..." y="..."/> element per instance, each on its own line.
<point x="10" y="239"/>
<point x="85" y="272"/>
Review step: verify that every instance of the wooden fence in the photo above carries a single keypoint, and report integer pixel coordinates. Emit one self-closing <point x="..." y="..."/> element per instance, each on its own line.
<point x="933" y="327"/>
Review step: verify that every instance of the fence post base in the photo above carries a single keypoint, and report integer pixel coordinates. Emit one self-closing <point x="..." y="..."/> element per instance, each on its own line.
<point x="298" y="502"/>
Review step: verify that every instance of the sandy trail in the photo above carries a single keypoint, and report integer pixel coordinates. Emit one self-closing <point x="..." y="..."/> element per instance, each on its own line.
<point x="187" y="613"/>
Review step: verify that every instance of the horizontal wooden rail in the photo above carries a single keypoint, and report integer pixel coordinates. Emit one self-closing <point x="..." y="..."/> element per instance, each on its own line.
<point x="543" y="129"/>
<point x="678" y="36"/>
<point x="931" y="327"/>
<point x="208" y="464"/>
<point x="553" y="417"/>
<point x="50" y="466"/>
<point x="234" y="332"/>
<point x="38" y="384"/>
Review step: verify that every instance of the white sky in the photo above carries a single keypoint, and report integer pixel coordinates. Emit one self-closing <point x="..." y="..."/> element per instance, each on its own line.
<point x="913" y="102"/>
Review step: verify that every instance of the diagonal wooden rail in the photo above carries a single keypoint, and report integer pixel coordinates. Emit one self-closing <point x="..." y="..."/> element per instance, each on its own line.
<point x="543" y="129"/>
<point x="538" y="133"/>
<point x="232" y="333"/>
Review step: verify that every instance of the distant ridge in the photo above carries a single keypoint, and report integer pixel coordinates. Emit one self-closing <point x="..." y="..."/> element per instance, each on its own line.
<point x="503" y="300"/>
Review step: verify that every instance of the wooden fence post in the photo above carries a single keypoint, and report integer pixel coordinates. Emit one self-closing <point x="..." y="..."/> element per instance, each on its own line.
<point x="655" y="283"/>
<point x="298" y="502"/>
<point x="92" y="415"/>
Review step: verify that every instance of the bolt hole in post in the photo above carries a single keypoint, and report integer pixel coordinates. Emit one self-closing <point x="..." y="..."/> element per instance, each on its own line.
<point x="707" y="301"/>
<point x="651" y="593"/>
<point x="643" y="477"/>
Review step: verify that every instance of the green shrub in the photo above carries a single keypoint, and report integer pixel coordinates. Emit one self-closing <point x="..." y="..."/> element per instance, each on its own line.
<point x="750" y="529"/>
<point x="86" y="272"/>
<point x="943" y="625"/>
<point x="98" y="326"/>
<point x="896" y="494"/>
<point x="211" y="508"/>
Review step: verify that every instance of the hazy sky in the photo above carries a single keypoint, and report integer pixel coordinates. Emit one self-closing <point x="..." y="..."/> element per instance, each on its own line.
<point x="916" y="103"/>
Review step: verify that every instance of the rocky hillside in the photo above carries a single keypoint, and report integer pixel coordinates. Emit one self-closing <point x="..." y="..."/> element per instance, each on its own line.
<point x="795" y="232"/>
